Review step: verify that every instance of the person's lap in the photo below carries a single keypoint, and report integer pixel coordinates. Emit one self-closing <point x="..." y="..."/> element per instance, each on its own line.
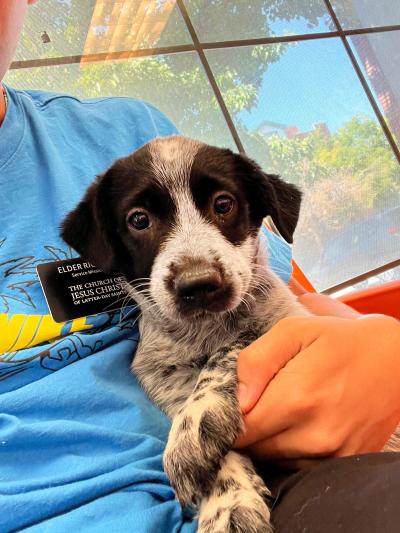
<point x="84" y="447"/>
<point x="358" y="494"/>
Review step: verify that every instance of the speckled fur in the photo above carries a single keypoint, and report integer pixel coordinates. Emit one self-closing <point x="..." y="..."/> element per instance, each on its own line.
<point x="187" y="364"/>
<point x="188" y="368"/>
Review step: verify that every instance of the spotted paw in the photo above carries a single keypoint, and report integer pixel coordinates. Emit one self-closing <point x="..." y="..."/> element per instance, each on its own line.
<point x="190" y="473"/>
<point x="241" y="518"/>
<point x="237" y="502"/>
<point x="197" y="443"/>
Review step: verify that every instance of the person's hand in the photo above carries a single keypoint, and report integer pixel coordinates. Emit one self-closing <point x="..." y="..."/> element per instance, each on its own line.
<point x="321" y="386"/>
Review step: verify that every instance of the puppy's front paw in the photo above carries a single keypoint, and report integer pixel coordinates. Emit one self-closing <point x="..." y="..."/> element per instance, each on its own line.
<point x="200" y="437"/>
<point x="238" y="500"/>
<point x="238" y="519"/>
<point x="193" y="455"/>
<point x="190" y="472"/>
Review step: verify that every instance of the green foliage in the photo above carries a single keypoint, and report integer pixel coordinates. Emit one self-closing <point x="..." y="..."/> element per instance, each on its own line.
<point x="161" y="78"/>
<point x="360" y="149"/>
<point x="345" y="177"/>
<point x="297" y="158"/>
<point x="178" y="86"/>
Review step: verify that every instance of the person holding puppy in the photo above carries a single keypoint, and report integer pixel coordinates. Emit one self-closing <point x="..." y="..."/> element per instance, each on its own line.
<point x="81" y="445"/>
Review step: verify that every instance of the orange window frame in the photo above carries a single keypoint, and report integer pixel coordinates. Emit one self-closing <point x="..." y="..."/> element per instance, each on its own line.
<point x="384" y="299"/>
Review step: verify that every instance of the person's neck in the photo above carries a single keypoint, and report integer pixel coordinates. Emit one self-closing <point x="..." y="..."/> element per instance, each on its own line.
<point x="2" y="105"/>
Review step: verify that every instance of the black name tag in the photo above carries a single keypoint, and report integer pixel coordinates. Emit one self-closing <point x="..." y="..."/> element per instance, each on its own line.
<point x="76" y="288"/>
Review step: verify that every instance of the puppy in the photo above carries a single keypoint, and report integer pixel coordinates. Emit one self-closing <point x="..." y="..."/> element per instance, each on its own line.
<point x="180" y="220"/>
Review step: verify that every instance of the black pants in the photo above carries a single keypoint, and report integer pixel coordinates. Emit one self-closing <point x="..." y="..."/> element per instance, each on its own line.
<point x="359" y="494"/>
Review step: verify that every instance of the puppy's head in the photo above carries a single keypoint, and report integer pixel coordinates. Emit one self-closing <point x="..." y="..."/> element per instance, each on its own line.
<point x="180" y="220"/>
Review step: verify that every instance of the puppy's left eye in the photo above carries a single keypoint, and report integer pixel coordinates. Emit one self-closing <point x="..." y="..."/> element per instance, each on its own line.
<point x="223" y="204"/>
<point x="138" y="219"/>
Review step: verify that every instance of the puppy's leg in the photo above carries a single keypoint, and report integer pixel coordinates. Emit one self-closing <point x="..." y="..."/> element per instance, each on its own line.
<point x="236" y="502"/>
<point x="204" y="429"/>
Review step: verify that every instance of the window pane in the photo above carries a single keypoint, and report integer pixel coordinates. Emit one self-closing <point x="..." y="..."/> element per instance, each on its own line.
<point x="221" y="20"/>
<point x="176" y="84"/>
<point x="302" y="113"/>
<point x="379" y="56"/>
<point x="392" y="274"/>
<point x="89" y="27"/>
<point x="367" y="13"/>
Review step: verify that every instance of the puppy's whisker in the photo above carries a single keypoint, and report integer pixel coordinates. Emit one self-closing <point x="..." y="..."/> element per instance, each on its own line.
<point x="204" y="290"/>
<point x="141" y="287"/>
<point x="137" y="319"/>
<point x="258" y="288"/>
<point x="246" y="303"/>
<point x="140" y="294"/>
<point x="128" y="310"/>
<point x="134" y="280"/>
<point x="137" y="283"/>
<point x="125" y="316"/>
<point x="129" y="296"/>
<point x="115" y="302"/>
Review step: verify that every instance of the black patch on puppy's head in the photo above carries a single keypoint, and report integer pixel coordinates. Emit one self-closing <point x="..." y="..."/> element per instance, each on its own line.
<point x="258" y="194"/>
<point x="89" y="228"/>
<point x="97" y="227"/>
<point x="269" y="195"/>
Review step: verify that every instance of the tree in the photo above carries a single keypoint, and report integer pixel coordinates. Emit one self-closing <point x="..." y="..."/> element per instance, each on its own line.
<point x="296" y="158"/>
<point x="357" y="150"/>
<point x="345" y="177"/>
<point x="328" y="206"/>
<point x="175" y="83"/>
<point x="360" y="148"/>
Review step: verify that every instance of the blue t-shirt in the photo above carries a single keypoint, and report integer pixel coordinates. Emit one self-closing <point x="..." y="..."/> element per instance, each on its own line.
<point x="80" y="444"/>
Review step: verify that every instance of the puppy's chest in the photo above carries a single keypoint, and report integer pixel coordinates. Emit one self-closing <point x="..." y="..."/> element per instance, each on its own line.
<point x="169" y="369"/>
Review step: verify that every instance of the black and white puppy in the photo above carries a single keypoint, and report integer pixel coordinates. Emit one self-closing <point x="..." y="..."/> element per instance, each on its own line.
<point x="180" y="220"/>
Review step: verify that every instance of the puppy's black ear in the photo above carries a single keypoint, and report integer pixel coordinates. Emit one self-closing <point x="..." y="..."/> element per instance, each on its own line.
<point x="285" y="206"/>
<point x="268" y="194"/>
<point x="88" y="228"/>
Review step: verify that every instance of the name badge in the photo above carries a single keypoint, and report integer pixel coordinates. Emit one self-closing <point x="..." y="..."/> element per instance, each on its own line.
<point x="75" y="288"/>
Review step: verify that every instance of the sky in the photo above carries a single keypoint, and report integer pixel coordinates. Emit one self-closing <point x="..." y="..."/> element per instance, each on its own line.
<point x="313" y="82"/>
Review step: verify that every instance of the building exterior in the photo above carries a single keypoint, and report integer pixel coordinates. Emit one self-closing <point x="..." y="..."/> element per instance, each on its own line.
<point x="270" y="129"/>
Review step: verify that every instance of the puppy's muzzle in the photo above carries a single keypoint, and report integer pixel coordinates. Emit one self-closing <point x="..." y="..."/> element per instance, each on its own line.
<point x="199" y="285"/>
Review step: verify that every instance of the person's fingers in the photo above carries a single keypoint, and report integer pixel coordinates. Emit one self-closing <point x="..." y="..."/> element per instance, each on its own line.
<point x="296" y="287"/>
<point x="285" y="403"/>
<point x="261" y="360"/>
<point x="311" y="442"/>
<point x="295" y="443"/>
<point x="322" y="305"/>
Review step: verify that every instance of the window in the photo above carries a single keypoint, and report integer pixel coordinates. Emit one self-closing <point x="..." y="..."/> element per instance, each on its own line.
<point x="308" y="88"/>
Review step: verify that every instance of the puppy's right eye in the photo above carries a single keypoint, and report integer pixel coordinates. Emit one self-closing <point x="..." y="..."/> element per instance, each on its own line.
<point x="138" y="219"/>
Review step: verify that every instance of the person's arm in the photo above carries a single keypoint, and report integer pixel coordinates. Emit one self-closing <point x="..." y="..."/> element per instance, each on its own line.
<point x="321" y="385"/>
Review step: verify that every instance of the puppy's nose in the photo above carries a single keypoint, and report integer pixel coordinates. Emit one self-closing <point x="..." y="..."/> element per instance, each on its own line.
<point x="197" y="284"/>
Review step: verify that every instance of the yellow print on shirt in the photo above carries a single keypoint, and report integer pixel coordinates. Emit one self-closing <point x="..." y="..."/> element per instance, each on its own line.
<point x="24" y="331"/>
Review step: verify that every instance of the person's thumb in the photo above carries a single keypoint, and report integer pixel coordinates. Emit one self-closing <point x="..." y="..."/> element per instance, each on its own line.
<point x="261" y="360"/>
